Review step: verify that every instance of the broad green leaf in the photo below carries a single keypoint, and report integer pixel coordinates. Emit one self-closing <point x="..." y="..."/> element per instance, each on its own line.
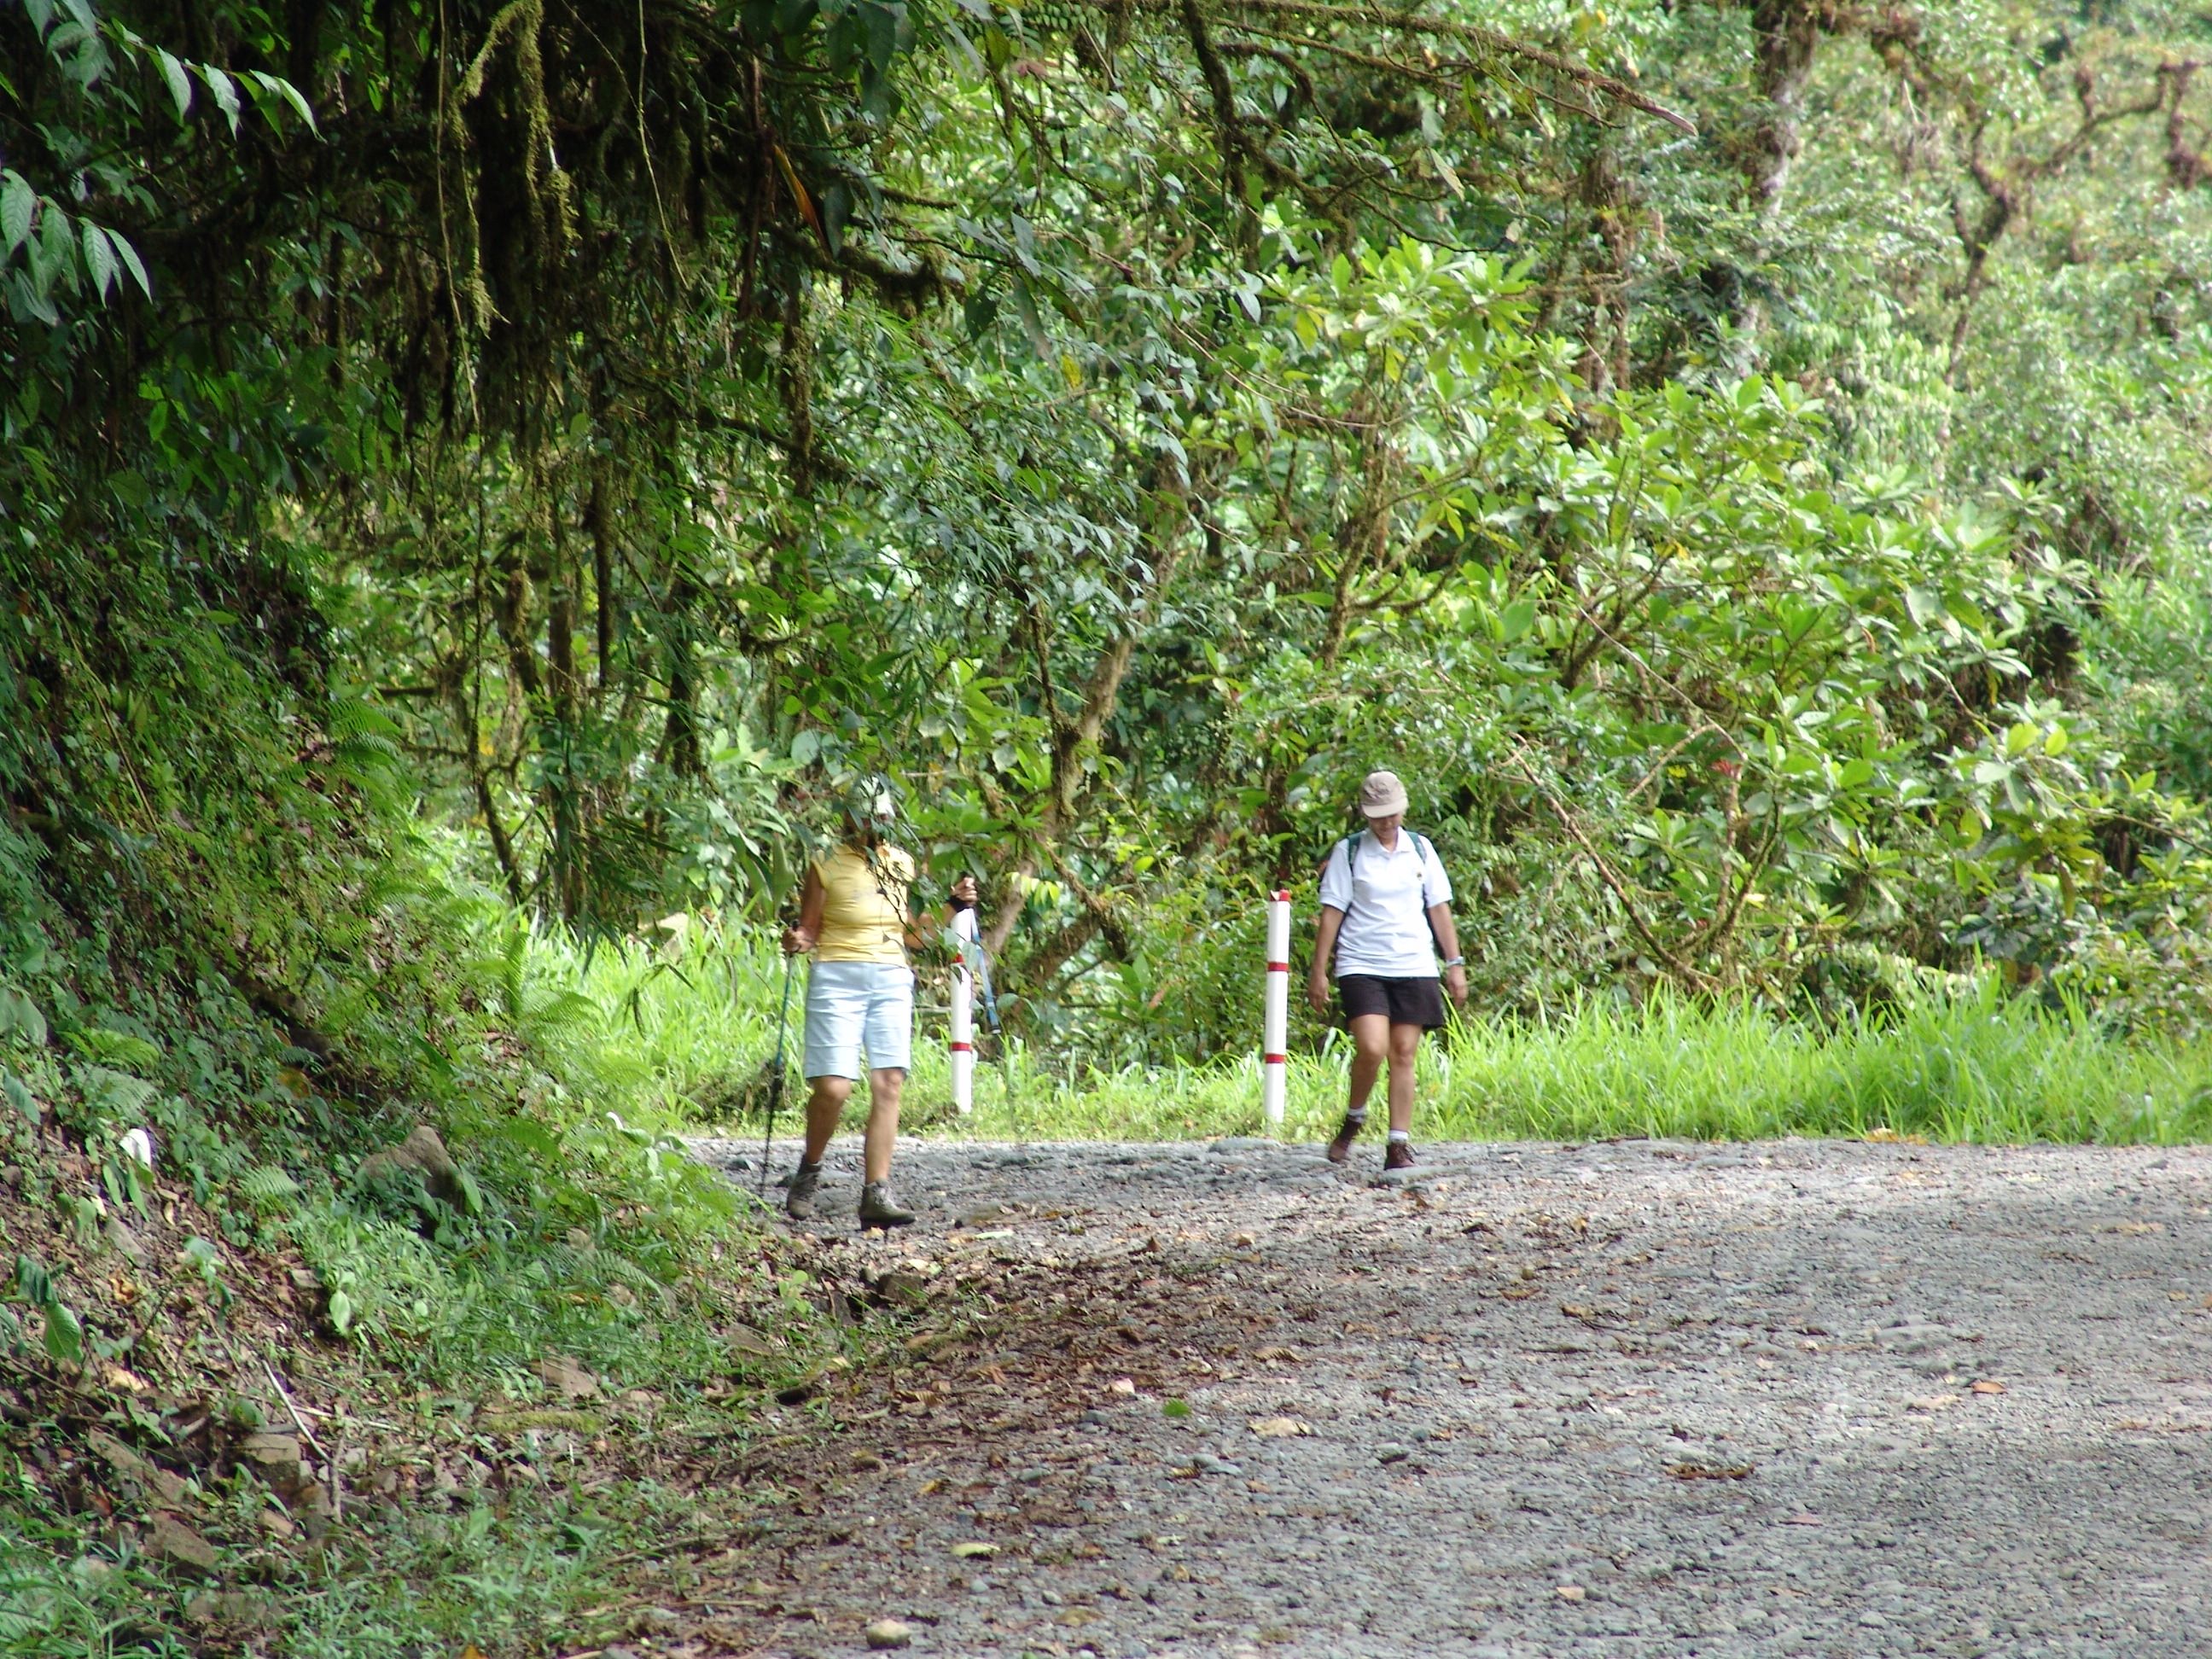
<point x="180" y="83"/>
<point x="224" y="91"/>
<point x="2019" y="740"/>
<point x="55" y="263"/>
<point x="129" y="256"/>
<point x="65" y="1336"/>
<point x="19" y="1016"/>
<point x="277" y="87"/>
<point x="99" y="258"/>
<point x="33" y="1282"/>
<point x="18" y="202"/>
<point x="20" y="1097"/>
<point x="342" y="1311"/>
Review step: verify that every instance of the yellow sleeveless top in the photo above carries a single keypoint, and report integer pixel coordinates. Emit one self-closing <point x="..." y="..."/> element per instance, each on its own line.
<point x="863" y="905"/>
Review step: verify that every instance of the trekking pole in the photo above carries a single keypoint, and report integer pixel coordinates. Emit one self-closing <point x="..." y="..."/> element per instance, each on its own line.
<point x="990" y="1012"/>
<point x="776" y="1083"/>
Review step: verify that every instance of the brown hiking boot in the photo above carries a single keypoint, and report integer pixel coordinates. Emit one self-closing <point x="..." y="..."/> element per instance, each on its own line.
<point x="799" y="1200"/>
<point x="1400" y="1157"/>
<point x="1340" y="1148"/>
<point x="879" y="1210"/>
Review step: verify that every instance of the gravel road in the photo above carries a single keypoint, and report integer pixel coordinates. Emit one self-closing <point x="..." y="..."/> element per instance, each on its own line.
<point x="1627" y="1399"/>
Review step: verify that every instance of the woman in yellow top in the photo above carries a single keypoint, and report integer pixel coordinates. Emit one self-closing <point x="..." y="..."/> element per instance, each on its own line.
<point x="852" y="915"/>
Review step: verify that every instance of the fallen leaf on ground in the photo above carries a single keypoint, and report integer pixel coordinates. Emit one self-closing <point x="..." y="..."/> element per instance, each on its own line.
<point x="1571" y="1592"/>
<point x="1280" y="1428"/>
<point x="1712" y="1471"/>
<point x="971" y="1548"/>
<point x="1288" y="1356"/>
<point x="1988" y="1385"/>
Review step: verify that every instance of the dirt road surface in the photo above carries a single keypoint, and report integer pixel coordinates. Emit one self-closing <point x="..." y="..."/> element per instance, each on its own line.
<point x="1630" y="1399"/>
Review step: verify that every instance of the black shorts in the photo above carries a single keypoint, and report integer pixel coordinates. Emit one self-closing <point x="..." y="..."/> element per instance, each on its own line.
<point x="1406" y="1001"/>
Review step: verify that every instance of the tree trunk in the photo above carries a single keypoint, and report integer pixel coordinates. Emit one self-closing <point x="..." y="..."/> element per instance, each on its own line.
<point x="1784" y="36"/>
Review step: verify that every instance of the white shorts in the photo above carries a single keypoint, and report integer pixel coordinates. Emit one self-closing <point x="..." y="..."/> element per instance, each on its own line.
<point x="855" y="1004"/>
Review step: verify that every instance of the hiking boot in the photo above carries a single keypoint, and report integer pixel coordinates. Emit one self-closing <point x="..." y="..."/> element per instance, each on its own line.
<point x="878" y="1209"/>
<point x="799" y="1202"/>
<point x="1400" y="1157"/>
<point x="1340" y="1148"/>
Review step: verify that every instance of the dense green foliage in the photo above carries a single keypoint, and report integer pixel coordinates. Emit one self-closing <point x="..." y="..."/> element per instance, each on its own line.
<point x="1744" y="464"/>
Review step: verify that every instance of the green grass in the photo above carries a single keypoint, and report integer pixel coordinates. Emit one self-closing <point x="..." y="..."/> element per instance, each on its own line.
<point x="1985" y="1066"/>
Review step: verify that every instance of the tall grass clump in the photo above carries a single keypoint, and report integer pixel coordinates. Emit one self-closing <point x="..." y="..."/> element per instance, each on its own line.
<point x="1980" y="1067"/>
<point x="695" y="1021"/>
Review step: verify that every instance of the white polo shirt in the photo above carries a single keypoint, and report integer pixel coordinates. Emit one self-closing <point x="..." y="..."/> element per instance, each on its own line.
<point x="1385" y="897"/>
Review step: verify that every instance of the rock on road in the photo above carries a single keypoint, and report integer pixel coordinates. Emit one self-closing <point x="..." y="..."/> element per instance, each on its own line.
<point x="1629" y="1399"/>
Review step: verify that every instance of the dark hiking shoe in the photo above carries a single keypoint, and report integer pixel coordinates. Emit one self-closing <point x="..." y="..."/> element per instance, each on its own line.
<point x="879" y="1209"/>
<point x="1340" y="1148"/>
<point x="799" y="1202"/>
<point x="1400" y="1157"/>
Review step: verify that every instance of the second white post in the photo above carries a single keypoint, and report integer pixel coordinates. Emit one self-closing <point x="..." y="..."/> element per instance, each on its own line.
<point x="963" y="1040"/>
<point x="1274" y="1056"/>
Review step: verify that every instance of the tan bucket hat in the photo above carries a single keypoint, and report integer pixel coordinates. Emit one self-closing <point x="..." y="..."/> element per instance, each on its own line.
<point x="1381" y="795"/>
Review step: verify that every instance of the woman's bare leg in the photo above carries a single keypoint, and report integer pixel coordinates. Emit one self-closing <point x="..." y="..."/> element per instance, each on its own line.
<point x="825" y="1103"/>
<point x="1370" y="1043"/>
<point x="1405" y="1046"/>
<point x="885" y="1088"/>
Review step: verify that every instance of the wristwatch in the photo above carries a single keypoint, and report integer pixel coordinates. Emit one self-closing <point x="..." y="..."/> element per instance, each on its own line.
<point x="1456" y="961"/>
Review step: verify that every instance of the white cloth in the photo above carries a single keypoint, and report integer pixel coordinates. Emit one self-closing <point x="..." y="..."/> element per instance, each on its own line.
<point x="851" y="1005"/>
<point x="1385" y="897"/>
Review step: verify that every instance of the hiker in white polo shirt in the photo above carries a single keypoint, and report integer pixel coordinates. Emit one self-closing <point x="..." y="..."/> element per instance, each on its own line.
<point x="1385" y="917"/>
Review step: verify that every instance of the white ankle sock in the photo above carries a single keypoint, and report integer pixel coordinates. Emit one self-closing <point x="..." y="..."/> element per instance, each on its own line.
<point x="1401" y="1137"/>
<point x="1359" y="1116"/>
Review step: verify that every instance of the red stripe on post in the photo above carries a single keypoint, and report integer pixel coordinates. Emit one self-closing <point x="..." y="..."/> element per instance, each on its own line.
<point x="1275" y="1060"/>
<point x="1279" y="967"/>
<point x="1283" y="897"/>
<point x="963" y="1047"/>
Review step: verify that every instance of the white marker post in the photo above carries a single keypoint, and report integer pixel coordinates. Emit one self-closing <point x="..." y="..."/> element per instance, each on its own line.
<point x="1274" y="1056"/>
<point x="962" y="1041"/>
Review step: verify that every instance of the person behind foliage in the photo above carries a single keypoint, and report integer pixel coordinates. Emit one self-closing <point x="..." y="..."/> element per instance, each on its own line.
<point x="1385" y="916"/>
<point x="852" y="915"/>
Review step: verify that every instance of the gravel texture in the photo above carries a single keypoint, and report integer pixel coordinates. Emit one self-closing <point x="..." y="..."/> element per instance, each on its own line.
<point x="1626" y="1399"/>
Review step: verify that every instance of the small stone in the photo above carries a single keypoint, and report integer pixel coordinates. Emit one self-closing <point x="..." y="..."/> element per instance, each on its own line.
<point x="168" y="1539"/>
<point x="423" y="1156"/>
<point x="1572" y="1592"/>
<point x="1393" y="1454"/>
<point x="232" y="1608"/>
<point x="573" y="1381"/>
<point x="886" y="1634"/>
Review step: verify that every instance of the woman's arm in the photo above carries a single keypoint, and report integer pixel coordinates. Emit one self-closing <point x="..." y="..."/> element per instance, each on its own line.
<point x="1440" y="923"/>
<point x="799" y="939"/>
<point x="1324" y="948"/>
<point x="962" y="896"/>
